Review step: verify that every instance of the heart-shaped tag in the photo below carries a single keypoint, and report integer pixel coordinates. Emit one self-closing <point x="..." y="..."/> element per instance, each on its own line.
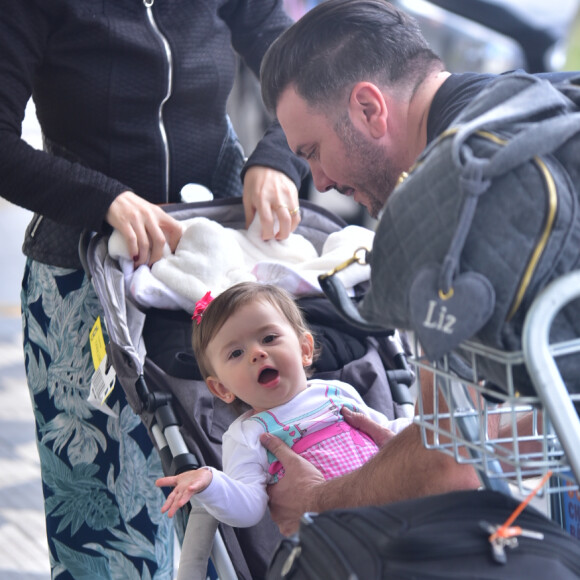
<point x="441" y="323"/>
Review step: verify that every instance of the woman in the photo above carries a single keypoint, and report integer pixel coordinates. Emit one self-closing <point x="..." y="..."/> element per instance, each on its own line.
<point x="130" y="97"/>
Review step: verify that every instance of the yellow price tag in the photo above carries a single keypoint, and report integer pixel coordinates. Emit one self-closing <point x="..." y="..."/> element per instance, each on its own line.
<point x="97" y="343"/>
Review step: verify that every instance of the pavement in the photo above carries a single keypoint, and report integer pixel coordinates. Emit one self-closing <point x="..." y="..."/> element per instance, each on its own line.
<point x="23" y="547"/>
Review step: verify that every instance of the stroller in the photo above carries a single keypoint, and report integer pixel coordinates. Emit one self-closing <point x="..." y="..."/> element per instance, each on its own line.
<point x="149" y="350"/>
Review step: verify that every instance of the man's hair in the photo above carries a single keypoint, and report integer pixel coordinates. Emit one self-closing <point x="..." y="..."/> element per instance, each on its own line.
<point x="341" y="42"/>
<point x="228" y="303"/>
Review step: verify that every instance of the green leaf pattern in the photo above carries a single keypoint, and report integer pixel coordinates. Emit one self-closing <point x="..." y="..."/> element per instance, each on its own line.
<point x="103" y="510"/>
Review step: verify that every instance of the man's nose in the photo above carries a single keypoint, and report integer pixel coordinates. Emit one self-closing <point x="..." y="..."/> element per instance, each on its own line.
<point x="321" y="181"/>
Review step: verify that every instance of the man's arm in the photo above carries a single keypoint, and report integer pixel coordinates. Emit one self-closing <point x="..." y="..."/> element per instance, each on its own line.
<point x="402" y="469"/>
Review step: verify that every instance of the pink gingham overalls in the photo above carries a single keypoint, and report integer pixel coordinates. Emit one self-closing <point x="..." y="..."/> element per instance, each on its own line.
<point x="322" y="437"/>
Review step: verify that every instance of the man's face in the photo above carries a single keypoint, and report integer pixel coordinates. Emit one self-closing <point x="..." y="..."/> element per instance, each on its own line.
<point x="340" y="156"/>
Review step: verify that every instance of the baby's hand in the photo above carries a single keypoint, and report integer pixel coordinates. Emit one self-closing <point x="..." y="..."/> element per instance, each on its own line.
<point x="185" y="485"/>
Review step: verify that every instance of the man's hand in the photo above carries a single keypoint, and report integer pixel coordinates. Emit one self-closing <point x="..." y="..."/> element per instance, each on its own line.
<point x="144" y="226"/>
<point x="379" y="434"/>
<point x="271" y="193"/>
<point x="295" y="493"/>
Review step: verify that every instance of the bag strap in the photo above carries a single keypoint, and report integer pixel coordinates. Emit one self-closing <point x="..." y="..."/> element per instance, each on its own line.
<point x="472" y="185"/>
<point x="537" y="98"/>
<point x="538" y="139"/>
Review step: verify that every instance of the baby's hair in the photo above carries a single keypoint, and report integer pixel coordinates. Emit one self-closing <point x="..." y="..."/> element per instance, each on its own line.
<point x="229" y="302"/>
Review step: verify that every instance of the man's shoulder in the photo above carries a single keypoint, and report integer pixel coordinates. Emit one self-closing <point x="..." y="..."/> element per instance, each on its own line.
<point x="452" y="97"/>
<point x="459" y="89"/>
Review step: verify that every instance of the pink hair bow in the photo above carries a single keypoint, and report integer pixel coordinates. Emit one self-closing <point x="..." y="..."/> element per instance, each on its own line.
<point x="200" y="307"/>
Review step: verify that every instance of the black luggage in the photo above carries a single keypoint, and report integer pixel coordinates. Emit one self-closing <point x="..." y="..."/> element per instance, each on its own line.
<point x="442" y="537"/>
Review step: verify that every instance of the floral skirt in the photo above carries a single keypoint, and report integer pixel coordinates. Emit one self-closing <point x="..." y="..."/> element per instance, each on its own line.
<point x="103" y="511"/>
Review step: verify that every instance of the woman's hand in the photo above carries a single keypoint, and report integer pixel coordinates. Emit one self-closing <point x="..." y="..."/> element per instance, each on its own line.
<point x="271" y="193"/>
<point x="144" y="226"/>
<point x="185" y="485"/>
<point x="296" y="492"/>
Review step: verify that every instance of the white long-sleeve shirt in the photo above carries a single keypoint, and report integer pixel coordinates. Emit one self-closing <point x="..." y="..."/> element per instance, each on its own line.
<point x="237" y="496"/>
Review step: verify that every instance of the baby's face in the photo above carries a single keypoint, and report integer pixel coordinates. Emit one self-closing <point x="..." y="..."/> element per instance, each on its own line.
<point x="257" y="357"/>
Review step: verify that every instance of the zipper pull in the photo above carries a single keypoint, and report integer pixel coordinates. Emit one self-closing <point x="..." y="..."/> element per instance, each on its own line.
<point x="501" y="537"/>
<point x="516" y="531"/>
<point x="498" y="542"/>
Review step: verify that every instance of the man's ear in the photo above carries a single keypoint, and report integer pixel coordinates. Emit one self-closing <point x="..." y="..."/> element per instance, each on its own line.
<point x="307" y="346"/>
<point x="219" y="390"/>
<point x="368" y="109"/>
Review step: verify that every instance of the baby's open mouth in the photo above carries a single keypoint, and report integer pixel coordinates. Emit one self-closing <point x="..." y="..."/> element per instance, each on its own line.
<point x="267" y="376"/>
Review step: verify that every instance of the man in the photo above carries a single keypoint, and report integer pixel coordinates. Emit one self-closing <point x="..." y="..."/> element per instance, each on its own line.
<point x="359" y="95"/>
<point x="352" y="85"/>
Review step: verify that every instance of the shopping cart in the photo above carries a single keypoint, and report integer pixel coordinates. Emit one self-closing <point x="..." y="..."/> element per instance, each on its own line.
<point x="541" y="434"/>
<point x="525" y="449"/>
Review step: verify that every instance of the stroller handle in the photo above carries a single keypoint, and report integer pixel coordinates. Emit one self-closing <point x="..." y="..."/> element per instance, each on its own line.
<point x="338" y="296"/>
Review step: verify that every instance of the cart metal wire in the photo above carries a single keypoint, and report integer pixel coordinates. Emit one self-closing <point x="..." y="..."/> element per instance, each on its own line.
<point x="540" y="434"/>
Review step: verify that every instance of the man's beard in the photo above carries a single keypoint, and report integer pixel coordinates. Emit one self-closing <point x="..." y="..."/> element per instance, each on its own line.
<point x="371" y="172"/>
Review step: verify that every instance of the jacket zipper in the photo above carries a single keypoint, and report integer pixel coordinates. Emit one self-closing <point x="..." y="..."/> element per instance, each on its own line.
<point x="169" y="59"/>
<point x="34" y="228"/>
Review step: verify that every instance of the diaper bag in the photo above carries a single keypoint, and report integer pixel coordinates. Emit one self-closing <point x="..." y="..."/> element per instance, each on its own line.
<point x="487" y="217"/>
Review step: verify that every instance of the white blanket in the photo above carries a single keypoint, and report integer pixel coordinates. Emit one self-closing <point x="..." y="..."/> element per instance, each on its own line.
<point x="212" y="257"/>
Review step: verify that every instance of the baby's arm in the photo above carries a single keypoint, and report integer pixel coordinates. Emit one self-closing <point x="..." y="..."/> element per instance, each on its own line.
<point x="185" y="485"/>
<point x="239" y="501"/>
<point x="237" y="496"/>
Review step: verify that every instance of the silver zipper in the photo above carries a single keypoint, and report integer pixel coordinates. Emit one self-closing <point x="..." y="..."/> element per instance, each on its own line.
<point x="148" y="5"/>
<point x="36" y="225"/>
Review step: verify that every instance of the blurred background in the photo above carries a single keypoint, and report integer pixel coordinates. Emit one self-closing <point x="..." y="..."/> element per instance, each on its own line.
<point x="469" y="35"/>
<point x="476" y="35"/>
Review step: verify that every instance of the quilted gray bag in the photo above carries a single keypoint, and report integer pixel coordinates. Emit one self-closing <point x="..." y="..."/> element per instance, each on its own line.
<point x="487" y="217"/>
